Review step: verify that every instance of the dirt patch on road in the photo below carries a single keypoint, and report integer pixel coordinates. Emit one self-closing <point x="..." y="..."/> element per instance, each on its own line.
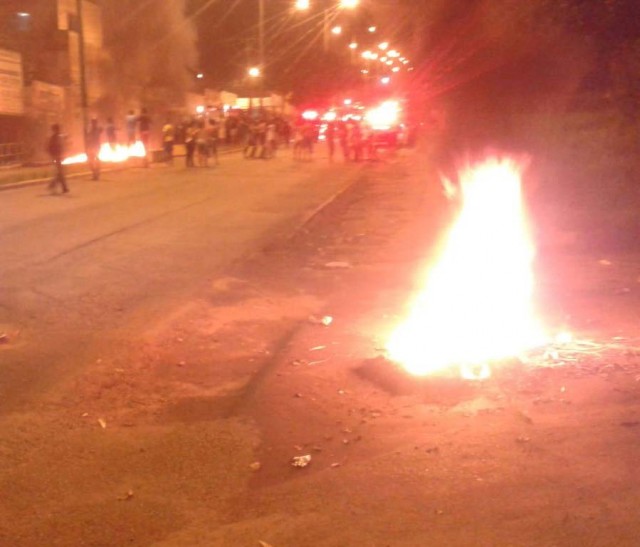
<point x="186" y="435"/>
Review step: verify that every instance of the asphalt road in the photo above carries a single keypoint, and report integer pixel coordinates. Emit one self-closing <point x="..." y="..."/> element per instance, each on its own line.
<point x="79" y="269"/>
<point x="165" y="367"/>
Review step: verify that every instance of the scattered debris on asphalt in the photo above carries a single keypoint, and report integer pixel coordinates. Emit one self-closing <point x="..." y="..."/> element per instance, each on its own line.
<point x="103" y="423"/>
<point x="317" y="348"/>
<point x="255" y="466"/>
<point x="301" y="461"/>
<point x="127" y="496"/>
<point x="325" y="320"/>
<point x="604" y="262"/>
<point x="4" y="338"/>
<point x="264" y="544"/>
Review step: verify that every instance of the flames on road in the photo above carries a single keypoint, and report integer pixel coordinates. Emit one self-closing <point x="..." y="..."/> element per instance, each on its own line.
<point x="476" y="306"/>
<point x="109" y="154"/>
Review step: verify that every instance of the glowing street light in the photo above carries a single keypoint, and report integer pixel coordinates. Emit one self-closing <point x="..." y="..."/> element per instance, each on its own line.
<point x="302" y="5"/>
<point x="199" y="75"/>
<point x="254" y="72"/>
<point x="383" y="45"/>
<point x="395" y="69"/>
<point x="364" y="71"/>
<point x="372" y="29"/>
<point x="385" y="80"/>
<point x="337" y="30"/>
<point x="353" y="45"/>
<point x="349" y="4"/>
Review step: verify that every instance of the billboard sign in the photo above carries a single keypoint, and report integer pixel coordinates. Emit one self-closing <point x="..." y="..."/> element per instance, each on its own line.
<point x="11" y="83"/>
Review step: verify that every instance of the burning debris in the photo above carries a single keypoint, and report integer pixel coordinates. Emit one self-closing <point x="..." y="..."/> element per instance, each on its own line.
<point x="109" y="154"/>
<point x="476" y="306"/>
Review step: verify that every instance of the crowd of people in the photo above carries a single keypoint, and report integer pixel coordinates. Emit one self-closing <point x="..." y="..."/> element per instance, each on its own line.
<point x="258" y="137"/>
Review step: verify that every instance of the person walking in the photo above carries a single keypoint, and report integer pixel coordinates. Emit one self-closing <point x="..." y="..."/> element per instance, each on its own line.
<point x="55" y="147"/>
<point x="168" y="138"/>
<point x="93" y="140"/>
<point x="144" y="125"/>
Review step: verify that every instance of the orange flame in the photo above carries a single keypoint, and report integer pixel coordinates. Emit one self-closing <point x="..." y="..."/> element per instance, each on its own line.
<point x="117" y="154"/>
<point x="476" y="306"/>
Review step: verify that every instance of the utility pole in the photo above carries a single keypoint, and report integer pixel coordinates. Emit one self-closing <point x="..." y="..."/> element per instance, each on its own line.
<point x="261" y="49"/>
<point x="83" y="75"/>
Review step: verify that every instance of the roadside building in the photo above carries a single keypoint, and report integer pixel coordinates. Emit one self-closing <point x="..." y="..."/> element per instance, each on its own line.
<point x="40" y="69"/>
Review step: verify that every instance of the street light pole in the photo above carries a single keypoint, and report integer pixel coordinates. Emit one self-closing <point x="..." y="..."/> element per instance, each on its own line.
<point x="261" y="33"/>
<point x="83" y="76"/>
<point x="261" y="48"/>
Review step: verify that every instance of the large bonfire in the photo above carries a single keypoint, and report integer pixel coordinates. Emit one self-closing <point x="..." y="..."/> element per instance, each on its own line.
<point x="476" y="306"/>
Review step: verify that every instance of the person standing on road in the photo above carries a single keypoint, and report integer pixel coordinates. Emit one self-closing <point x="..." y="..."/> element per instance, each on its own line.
<point x="168" y="138"/>
<point x="111" y="133"/>
<point x="144" y="124"/>
<point x="190" y="144"/>
<point x="55" y="147"/>
<point x="271" y="143"/>
<point x="286" y="133"/>
<point x="330" y="135"/>
<point x="93" y="140"/>
<point x="202" y="147"/>
<point x="130" y="122"/>
<point x="252" y="141"/>
<point x="213" y="135"/>
<point x="343" y="138"/>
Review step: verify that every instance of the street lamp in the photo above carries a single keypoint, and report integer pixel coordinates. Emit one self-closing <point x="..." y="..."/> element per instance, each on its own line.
<point x="254" y="72"/>
<point x="303" y="5"/>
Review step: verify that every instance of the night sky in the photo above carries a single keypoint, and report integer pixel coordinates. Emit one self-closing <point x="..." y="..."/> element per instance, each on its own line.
<point x="228" y="42"/>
